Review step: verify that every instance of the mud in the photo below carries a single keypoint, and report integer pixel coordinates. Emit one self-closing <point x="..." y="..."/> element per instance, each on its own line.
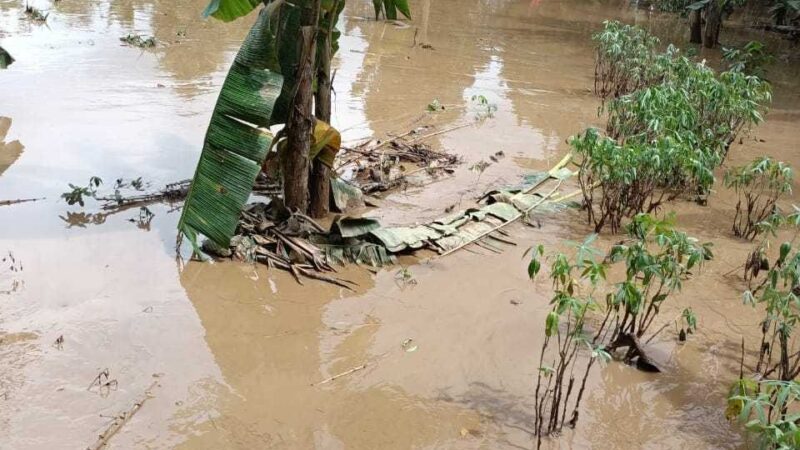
<point x="239" y="352"/>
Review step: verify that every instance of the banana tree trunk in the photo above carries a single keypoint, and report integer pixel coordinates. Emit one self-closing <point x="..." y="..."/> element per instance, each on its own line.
<point x="713" y="24"/>
<point x="320" y="173"/>
<point x="300" y="124"/>
<point x="695" y="27"/>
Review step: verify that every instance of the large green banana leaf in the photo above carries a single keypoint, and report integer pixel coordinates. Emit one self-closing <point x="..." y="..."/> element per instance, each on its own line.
<point x="234" y="146"/>
<point x="228" y="10"/>
<point x="390" y="8"/>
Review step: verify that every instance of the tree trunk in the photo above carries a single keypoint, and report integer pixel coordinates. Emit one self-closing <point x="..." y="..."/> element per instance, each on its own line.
<point x="695" y="27"/>
<point x="320" y="173"/>
<point x="300" y="124"/>
<point x="713" y="24"/>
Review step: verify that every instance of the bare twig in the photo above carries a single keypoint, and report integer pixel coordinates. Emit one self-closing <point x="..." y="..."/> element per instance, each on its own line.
<point x="120" y="420"/>
<point x="21" y="200"/>
<point x="346" y="372"/>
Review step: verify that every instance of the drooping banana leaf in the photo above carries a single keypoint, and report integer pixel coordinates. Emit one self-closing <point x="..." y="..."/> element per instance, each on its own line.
<point x="228" y="10"/>
<point x="331" y="10"/>
<point x="5" y="58"/>
<point x="390" y="8"/>
<point x="234" y="145"/>
<point x="326" y="143"/>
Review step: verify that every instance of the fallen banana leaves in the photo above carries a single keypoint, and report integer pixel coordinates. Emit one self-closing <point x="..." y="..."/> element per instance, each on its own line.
<point x="270" y="234"/>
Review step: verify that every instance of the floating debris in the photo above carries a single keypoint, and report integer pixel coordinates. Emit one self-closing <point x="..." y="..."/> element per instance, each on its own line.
<point x="137" y="40"/>
<point x="35" y="14"/>
<point x="378" y="166"/>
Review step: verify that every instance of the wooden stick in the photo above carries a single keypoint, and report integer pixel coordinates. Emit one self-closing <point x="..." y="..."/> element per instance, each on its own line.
<point x="120" y="421"/>
<point x="436" y="133"/>
<point x="21" y="200"/>
<point x="347" y="372"/>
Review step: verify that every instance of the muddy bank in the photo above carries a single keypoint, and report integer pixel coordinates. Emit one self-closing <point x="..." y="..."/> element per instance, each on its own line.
<point x="238" y="351"/>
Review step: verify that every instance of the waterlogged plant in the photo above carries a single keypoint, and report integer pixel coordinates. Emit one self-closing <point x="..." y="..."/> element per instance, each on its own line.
<point x="485" y="109"/>
<point x="778" y="291"/>
<point x="671" y="122"/>
<point x="768" y="409"/>
<point x="77" y="194"/>
<point x="617" y="181"/>
<point x="624" y="60"/>
<point x="758" y="185"/>
<point x="576" y="280"/>
<point x="657" y="259"/>
<point x="766" y="402"/>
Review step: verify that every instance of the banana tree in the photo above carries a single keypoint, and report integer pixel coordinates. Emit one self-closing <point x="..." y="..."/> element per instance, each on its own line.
<point x="271" y="82"/>
<point x="705" y="20"/>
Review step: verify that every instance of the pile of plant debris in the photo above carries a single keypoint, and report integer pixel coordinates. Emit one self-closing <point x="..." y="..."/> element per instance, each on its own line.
<point x="378" y="166"/>
<point x="271" y="234"/>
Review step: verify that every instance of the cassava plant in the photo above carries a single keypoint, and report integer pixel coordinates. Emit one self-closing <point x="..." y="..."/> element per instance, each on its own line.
<point x="766" y="401"/>
<point x="576" y="280"/>
<point x="580" y="330"/>
<point x="671" y="122"/>
<point x="769" y="410"/>
<point x="750" y="59"/>
<point x="758" y="185"/>
<point x="624" y="60"/>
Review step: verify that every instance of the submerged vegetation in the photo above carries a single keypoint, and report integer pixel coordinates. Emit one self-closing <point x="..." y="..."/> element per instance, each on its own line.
<point x="671" y="121"/>
<point x="759" y="185"/>
<point x="592" y="317"/>
<point x="766" y="400"/>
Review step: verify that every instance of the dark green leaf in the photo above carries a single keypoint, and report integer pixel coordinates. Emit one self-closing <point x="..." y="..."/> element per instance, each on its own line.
<point x="234" y="146"/>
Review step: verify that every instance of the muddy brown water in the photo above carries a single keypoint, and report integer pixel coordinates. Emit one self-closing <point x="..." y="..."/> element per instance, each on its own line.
<point x="238" y="353"/>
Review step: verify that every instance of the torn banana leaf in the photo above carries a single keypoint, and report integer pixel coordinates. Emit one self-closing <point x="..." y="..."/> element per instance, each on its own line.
<point x="358" y="252"/>
<point x="348" y="227"/>
<point x="345" y="195"/>
<point x="235" y="144"/>
<point x="396" y="239"/>
<point x="467" y="233"/>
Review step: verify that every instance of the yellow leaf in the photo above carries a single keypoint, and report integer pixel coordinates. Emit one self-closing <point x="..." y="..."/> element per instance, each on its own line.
<point x="325" y="143"/>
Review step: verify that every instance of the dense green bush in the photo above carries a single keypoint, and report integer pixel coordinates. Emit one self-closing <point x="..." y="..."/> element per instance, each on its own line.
<point x="758" y="185"/>
<point x="671" y="121"/>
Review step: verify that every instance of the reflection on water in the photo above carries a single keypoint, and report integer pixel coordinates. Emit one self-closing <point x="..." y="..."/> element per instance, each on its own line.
<point x="9" y="151"/>
<point x="236" y="349"/>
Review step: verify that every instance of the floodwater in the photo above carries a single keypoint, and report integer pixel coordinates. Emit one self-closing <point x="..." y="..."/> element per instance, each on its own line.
<point x="239" y="356"/>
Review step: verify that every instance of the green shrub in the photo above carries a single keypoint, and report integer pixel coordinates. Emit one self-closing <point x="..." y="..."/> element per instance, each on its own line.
<point x="758" y="185"/>
<point x="657" y="259"/>
<point x="671" y="122"/>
